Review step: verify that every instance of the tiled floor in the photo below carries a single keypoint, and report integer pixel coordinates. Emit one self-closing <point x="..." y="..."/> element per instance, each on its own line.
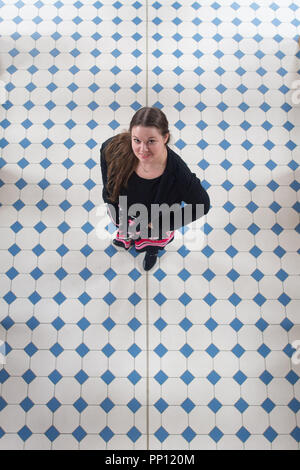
<point x="200" y="352"/>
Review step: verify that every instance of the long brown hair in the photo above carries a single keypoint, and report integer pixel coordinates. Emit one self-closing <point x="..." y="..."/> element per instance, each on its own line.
<point x="121" y="161"/>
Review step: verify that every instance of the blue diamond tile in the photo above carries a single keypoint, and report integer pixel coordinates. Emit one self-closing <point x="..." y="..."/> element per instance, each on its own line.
<point x="210" y="299"/>
<point x="161" y="377"/>
<point x="161" y="405"/>
<point x="3" y="404"/>
<point x="26" y="404"/>
<point x="270" y="434"/>
<point x="134" y="350"/>
<point x="284" y="299"/>
<point x="185" y="324"/>
<point x="79" y="433"/>
<point x="108" y="324"/>
<point x="241" y="405"/>
<point x="109" y="298"/>
<point x="292" y="377"/>
<point x="286" y="324"/>
<point x="30" y="349"/>
<point x="211" y="324"/>
<point x="185" y="299"/>
<point x="188" y="434"/>
<point x="263" y="350"/>
<point x="52" y="433"/>
<point x="160" y="350"/>
<point x="268" y="405"/>
<point x="24" y="433"/>
<point x="82" y="350"/>
<point x="161" y="434"/>
<point x="134" y="405"/>
<point x="213" y="377"/>
<point x="4" y="375"/>
<point x="243" y="434"/>
<point x="238" y="350"/>
<point x="80" y="404"/>
<point x="134" y="299"/>
<point x="212" y="350"/>
<point x="58" y="323"/>
<point x="187" y="377"/>
<point x="261" y="324"/>
<point x="134" y="434"/>
<point x="55" y="376"/>
<point x="240" y="377"/>
<point x="81" y="377"/>
<point x="7" y="323"/>
<point x="134" y="377"/>
<point x="107" y="405"/>
<point x="160" y="299"/>
<point x="216" y="434"/>
<point x="186" y="350"/>
<point x="160" y="324"/>
<point x="134" y="324"/>
<point x="56" y="349"/>
<point x="53" y="404"/>
<point x="266" y="377"/>
<point x="108" y="350"/>
<point x="107" y="377"/>
<point x="236" y="324"/>
<point x="28" y="376"/>
<point x="296" y="434"/>
<point x="214" y="405"/>
<point x="83" y="324"/>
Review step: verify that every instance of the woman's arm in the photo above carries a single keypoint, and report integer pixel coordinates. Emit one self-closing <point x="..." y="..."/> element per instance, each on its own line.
<point x="193" y="194"/>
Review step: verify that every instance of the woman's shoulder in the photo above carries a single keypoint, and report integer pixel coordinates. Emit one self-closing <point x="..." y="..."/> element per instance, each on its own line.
<point x="177" y="164"/>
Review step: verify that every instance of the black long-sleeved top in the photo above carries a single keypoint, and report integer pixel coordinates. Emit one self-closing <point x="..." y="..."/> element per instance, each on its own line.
<point x="176" y="185"/>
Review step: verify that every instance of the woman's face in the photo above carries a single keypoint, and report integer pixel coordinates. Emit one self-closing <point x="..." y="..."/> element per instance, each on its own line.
<point x="148" y="145"/>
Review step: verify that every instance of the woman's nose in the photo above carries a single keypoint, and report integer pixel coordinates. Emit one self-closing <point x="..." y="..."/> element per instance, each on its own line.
<point x="144" y="147"/>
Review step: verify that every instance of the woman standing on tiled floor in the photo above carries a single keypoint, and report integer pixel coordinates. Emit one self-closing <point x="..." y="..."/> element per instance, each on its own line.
<point x="139" y="164"/>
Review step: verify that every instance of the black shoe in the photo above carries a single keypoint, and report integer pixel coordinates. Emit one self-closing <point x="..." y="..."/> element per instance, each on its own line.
<point x="149" y="260"/>
<point x="121" y="244"/>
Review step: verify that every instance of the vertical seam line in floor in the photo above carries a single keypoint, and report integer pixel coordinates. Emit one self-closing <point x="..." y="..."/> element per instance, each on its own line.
<point x="147" y="277"/>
